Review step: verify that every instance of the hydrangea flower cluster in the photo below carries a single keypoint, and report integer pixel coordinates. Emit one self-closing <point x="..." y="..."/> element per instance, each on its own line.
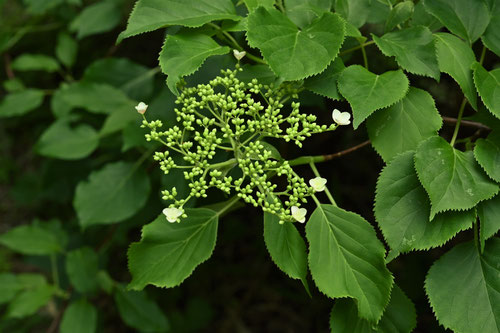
<point x="231" y="117"/>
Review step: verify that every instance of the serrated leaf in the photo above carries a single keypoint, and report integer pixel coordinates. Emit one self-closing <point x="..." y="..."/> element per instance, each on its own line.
<point x="462" y="287"/>
<point x="413" y="49"/>
<point x="488" y="86"/>
<point x="399" y="316"/>
<point x="262" y="73"/>
<point x="183" y="53"/>
<point x="422" y="17"/>
<point x="31" y="240"/>
<point x="149" y="15"/>
<point x="29" y="301"/>
<point x="346" y="259"/>
<point x="35" y="62"/>
<point x="61" y="140"/>
<point x="140" y="312"/>
<point x="404" y="125"/>
<point x="303" y="12"/>
<point x="288" y="50"/>
<point x="20" y="102"/>
<point x="66" y="49"/>
<point x="452" y="178"/>
<point x="491" y="37"/>
<point x="358" y="12"/>
<point x="95" y="19"/>
<point x="169" y="252"/>
<point x="455" y="58"/>
<point x="399" y="14"/>
<point x="111" y="194"/>
<point x="368" y="92"/>
<point x="489" y="217"/>
<point x="82" y="267"/>
<point x="254" y="4"/>
<point x="465" y="18"/>
<point x="325" y="83"/>
<point x="79" y="317"/>
<point x="487" y="153"/>
<point x="402" y="210"/>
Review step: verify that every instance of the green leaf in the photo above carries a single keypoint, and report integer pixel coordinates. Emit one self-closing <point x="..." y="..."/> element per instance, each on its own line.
<point x="35" y="62"/>
<point x="169" y="252"/>
<point x="29" y="301"/>
<point x="489" y="216"/>
<point x="288" y="50"/>
<point x="111" y="194"/>
<point x="119" y="120"/>
<point x="66" y="49"/>
<point x="149" y="15"/>
<point x="183" y="53"/>
<point x="79" y="317"/>
<point x="491" y="37"/>
<point x="404" y="125"/>
<point x="465" y="18"/>
<point x="422" y="17"/>
<point x="31" y="240"/>
<point x="487" y="153"/>
<point x="413" y="49"/>
<point x="368" y="92"/>
<point x="95" y="19"/>
<point x="20" y="102"/>
<point x="303" y="12"/>
<point x="346" y="259"/>
<point x="399" y="316"/>
<point x="469" y="282"/>
<point x="286" y="247"/>
<point x="452" y="179"/>
<point x="254" y="4"/>
<point x="456" y="58"/>
<point x="325" y="84"/>
<point x="139" y="312"/>
<point x="358" y="12"/>
<point x="82" y="267"/>
<point x="399" y="14"/>
<point x="488" y="86"/>
<point x="9" y="287"/>
<point x="402" y="210"/>
<point x="62" y="141"/>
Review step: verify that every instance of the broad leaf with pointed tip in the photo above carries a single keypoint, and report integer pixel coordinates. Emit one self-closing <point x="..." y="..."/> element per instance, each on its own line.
<point x="402" y="210"/>
<point x="491" y="37"/>
<point x="20" y="102"/>
<point x="399" y="14"/>
<point x="149" y="15"/>
<point x="346" y="259"/>
<point x="183" y="53"/>
<point x="489" y="217"/>
<point x="79" y="317"/>
<point x="303" y="12"/>
<point x="463" y="286"/>
<point x="452" y="178"/>
<point x="169" y="252"/>
<point x="404" y="125"/>
<point x="32" y="240"/>
<point x="487" y="153"/>
<point x="368" y="92"/>
<point x="288" y="50"/>
<point x="488" y="86"/>
<point x="325" y="83"/>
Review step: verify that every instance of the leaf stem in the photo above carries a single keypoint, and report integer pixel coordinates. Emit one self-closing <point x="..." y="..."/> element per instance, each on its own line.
<point x="352" y="49"/>
<point x="476" y="234"/>
<point x="327" y="191"/>
<point x="483" y="53"/>
<point x="365" y="58"/>
<point x="230" y="203"/>
<point x="459" y="119"/>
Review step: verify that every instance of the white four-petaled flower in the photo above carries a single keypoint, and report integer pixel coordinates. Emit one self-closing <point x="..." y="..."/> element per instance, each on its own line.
<point x="239" y="54"/>
<point x="141" y="107"/>
<point x="173" y="214"/>
<point x="299" y="214"/>
<point x="318" y="184"/>
<point x="341" y="118"/>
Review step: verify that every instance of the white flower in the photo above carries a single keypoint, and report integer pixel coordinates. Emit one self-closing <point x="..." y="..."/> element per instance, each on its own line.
<point x="141" y="107"/>
<point x="299" y="214"/>
<point x="239" y="54"/>
<point x="318" y="184"/>
<point x="173" y="214"/>
<point x="341" y="118"/>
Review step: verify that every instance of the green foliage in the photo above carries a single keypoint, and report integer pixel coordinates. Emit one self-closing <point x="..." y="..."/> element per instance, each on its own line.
<point x="399" y="14"/>
<point x="66" y="49"/>
<point x="32" y="239"/>
<point x="79" y="317"/>
<point x="97" y="18"/>
<point x="489" y="217"/>
<point x="21" y="102"/>
<point x="325" y="83"/>
<point x="82" y="266"/>
<point x="487" y="153"/>
<point x="491" y="37"/>
<point x="35" y="62"/>
<point x="488" y="86"/>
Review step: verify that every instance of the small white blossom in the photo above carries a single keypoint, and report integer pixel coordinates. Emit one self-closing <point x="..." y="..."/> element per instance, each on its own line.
<point x="239" y="54"/>
<point x="173" y="214"/>
<point x="341" y="118"/>
<point x="318" y="184"/>
<point x="141" y="107"/>
<point x="299" y="214"/>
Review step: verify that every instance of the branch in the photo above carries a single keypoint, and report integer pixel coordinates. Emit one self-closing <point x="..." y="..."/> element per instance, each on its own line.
<point x="468" y="123"/>
<point x="323" y="158"/>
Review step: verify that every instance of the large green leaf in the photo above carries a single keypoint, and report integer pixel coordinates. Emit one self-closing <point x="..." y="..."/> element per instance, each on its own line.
<point x="487" y="153"/>
<point x="422" y="17"/>
<point x="489" y="216"/>
<point x="20" y="102"/>
<point x="32" y="240"/>
<point x="288" y="50"/>
<point x="303" y="12"/>
<point x="456" y="58"/>
<point x="465" y="18"/>
<point x="402" y="210"/>
<point x="399" y="316"/>
<point x="149" y="15"/>
<point x="463" y="286"/>
<point x="358" y="12"/>
<point x="82" y="267"/>
<point x="346" y="259"/>
<point x="491" y="37"/>
<point x="100" y="17"/>
<point x="111" y="194"/>
<point x="29" y="301"/>
<point x="399" y="14"/>
<point x="413" y="49"/>
<point x="140" y="312"/>
<point x="368" y="92"/>
<point x="35" y="62"/>
<point x="452" y="179"/>
<point x="404" y="125"/>
<point x="488" y="86"/>
<point x="183" y="53"/>
<point x="61" y="140"/>
<point x="79" y="317"/>
<point x="169" y="252"/>
<point x="325" y="83"/>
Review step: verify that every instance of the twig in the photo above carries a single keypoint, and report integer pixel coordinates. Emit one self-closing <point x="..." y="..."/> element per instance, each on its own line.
<point x="346" y="151"/>
<point x="8" y="68"/>
<point x="467" y="123"/>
